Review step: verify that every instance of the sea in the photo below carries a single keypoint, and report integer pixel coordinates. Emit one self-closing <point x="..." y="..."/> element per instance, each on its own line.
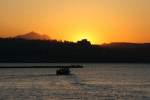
<point x="96" y="81"/>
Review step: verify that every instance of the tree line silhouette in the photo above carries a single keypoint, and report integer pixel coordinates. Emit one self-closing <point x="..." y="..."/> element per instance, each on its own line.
<point x="21" y="50"/>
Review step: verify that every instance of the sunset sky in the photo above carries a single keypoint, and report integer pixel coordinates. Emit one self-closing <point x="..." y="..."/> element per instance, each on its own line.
<point x="97" y="20"/>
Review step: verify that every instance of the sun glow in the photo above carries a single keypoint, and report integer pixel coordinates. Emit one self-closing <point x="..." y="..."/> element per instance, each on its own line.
<point x="87" y="36"/>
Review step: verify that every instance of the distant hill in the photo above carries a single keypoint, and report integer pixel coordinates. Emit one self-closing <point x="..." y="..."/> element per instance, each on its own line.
<point x="33" y="36"/>
<point x="125" y="45"/>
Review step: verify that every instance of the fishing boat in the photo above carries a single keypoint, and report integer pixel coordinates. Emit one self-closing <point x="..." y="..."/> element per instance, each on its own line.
<point x="63" y="71"/>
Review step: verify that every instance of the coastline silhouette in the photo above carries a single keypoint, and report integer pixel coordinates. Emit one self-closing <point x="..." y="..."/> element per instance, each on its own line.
<point x="24" y="50"/>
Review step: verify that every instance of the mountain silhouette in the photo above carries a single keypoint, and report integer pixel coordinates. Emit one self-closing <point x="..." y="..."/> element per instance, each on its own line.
<point x="33" y="36"/>
<point x="53" y="51"/>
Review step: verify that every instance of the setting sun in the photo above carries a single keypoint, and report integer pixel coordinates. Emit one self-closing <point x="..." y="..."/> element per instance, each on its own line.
<point x="85" y="35"/>
<point x="99" y="21"/>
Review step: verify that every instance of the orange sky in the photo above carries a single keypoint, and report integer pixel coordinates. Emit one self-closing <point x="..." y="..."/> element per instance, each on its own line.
<point x="97" y="20"/>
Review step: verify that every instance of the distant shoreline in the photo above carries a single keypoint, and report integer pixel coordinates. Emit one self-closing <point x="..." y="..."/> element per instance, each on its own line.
<point x="68" y="62"/>
<point x="40" y="51"/>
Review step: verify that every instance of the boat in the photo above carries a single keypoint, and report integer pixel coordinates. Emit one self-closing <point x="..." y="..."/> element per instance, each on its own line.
<point x="63" y="71"/>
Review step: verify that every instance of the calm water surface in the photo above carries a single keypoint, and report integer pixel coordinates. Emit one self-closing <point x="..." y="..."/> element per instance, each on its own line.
<point x="93" y="82"/>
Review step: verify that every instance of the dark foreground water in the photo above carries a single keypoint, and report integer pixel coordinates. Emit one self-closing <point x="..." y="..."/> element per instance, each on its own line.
<point x="93" y="82"/>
